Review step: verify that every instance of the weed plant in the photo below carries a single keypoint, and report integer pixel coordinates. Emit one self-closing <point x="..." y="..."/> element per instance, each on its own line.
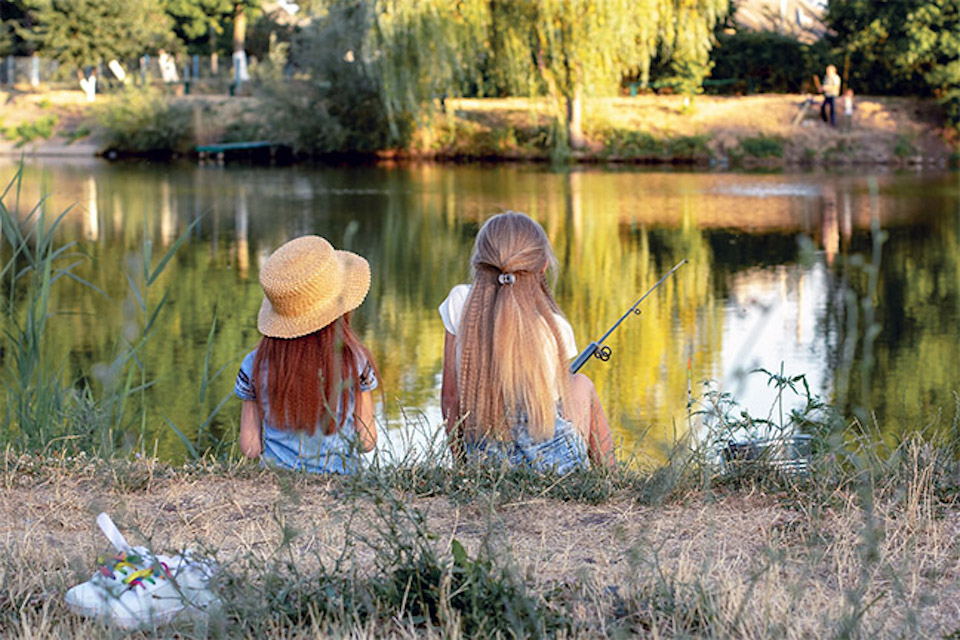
<point x="762" y="147"/>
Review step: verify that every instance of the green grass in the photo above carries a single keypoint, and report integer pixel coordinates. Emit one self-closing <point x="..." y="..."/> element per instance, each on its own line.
<point x="25" y="132"/>
<point x="762" y="147"/>
<point x="904" y="147"/>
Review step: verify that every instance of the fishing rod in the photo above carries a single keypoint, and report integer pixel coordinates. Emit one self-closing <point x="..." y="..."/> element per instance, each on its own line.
<point x="601" y="351"/>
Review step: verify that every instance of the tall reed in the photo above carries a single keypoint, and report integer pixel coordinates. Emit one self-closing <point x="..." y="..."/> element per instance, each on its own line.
<point x="43" y="403"/>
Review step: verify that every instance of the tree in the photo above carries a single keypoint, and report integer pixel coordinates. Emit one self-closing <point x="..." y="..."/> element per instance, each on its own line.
<point x="369" y="70"/>
<point x="198" y="23"/>
<point x="933" y="34"/>
<point x="569" y="48"/>
<point x="78" y="33"/>
<point x="908" y="47"/>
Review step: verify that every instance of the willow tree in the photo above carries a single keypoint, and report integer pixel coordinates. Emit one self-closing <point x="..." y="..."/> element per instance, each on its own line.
<point x="572" y="48"/>
<point x="423" y="50"/>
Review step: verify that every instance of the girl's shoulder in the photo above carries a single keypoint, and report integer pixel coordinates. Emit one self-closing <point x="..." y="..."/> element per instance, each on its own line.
<point x="451" y="309"/>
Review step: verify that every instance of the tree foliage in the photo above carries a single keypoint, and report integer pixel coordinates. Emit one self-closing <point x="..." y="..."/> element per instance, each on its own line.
<point x="766" y="62"/>
<point x="81" y="32"/>
<point x="571" y="48"/>
<point x="197" y="21"/>
<point x="421" y="50"/>
<point x="906" y="47"/>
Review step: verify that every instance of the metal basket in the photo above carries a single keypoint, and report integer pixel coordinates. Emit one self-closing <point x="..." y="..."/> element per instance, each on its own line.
<point x="789" y="455"/>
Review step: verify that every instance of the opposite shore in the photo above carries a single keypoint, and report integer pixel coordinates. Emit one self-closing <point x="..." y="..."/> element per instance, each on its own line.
<point x="761" y="131"/>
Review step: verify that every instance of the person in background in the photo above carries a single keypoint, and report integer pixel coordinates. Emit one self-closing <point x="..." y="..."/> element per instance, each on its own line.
<point x="830" y="87"/>
<point x="306" y="388"/>
<point x="507" y="393"/>
<point x="848" y="109"/>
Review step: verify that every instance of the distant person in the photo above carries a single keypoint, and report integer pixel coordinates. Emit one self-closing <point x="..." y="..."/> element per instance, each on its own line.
<point x="830" y="88"/>
<point x="848" y="109"/>
<point x="306" y="388"/>
<point x="507" y="392"/>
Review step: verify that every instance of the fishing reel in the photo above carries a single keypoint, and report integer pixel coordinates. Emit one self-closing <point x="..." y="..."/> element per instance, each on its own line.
<point x="603" y="353"/>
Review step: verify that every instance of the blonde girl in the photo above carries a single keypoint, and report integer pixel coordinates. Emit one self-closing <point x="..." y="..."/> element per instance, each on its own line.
<point x="507" y="392"/>
<point x="306" y="388"/>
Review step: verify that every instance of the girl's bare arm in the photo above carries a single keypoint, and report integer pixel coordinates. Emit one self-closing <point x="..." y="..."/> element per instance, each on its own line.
<point x="363" y="420"/>
<point x="449" y="391"/>
<point x="251" y="444"/>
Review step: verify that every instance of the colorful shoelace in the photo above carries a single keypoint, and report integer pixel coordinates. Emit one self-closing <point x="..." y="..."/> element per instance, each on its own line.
<point x="109" y="566"/>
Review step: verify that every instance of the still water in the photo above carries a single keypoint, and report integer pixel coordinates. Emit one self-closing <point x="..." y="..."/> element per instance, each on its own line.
<point x="772" y="279"/>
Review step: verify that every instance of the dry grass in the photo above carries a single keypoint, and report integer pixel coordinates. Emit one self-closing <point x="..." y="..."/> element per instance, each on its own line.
<point x="885" y="130"/>
<point x="820" y="560"/>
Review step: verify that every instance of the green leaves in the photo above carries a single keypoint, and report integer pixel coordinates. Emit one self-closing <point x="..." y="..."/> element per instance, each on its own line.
<point x="81" y="32"/>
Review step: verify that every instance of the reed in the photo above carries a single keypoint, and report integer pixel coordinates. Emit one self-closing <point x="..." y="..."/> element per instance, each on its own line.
<point x="44" y="403"/>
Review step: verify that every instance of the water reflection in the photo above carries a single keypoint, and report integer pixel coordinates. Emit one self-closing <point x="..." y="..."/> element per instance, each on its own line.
<point x="746" y="299"/>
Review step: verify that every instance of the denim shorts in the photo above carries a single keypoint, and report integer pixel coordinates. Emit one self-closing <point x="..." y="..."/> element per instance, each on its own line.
<point x="562" y="453"/>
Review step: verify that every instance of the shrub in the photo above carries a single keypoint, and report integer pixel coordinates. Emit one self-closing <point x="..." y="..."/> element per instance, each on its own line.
<point x="144" y="122"/>
<point x="688" y="148"/>
<point x="633" y="144"/>
<point x="763" y="147"/>
<point x="24" y="132"/>
<point x="904" y="147"/>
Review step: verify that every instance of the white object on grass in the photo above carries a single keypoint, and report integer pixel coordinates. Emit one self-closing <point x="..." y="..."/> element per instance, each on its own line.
<point x="137" y="589"/>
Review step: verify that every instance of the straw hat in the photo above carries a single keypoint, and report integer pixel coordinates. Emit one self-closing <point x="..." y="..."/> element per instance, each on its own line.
<point x="307" y="284"/>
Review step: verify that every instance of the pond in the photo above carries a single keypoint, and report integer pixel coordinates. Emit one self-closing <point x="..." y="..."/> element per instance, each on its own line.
<point x="777" y="275"/>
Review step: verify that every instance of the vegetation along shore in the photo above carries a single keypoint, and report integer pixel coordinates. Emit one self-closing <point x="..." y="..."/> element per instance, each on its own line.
<point x="716" y="131"/>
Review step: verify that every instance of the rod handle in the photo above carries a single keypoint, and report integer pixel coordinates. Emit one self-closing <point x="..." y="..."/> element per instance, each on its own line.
<point x="585" y="355"/>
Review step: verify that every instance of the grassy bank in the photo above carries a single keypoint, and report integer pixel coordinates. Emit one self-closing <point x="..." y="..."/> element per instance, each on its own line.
<point x="751" y="131"/>
<point x="861" y="547"/>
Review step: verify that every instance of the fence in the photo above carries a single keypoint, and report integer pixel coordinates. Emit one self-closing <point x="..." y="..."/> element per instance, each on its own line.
<point x="34" y="71"/>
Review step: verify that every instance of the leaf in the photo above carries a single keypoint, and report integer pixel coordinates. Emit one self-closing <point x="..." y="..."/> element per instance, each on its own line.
<point x="183" y="438"/>
<point x="170" y="252"/>
<point x="459" y="554"/>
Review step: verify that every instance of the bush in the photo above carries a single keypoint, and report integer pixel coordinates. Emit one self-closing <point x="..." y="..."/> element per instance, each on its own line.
<point x="762" y="147"/>
<point x="688" y="148"/>
<point x="633" y="144"/>
<point x="145" y="122"/>
<point x="334" y="104"/>
<point x="25" y="132"/>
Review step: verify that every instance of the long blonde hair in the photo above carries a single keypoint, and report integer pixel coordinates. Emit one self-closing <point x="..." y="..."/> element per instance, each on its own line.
<point x="509" y="338"/>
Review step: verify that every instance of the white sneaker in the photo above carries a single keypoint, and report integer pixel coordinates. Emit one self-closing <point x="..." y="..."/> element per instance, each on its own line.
<point x="136" y="588"/>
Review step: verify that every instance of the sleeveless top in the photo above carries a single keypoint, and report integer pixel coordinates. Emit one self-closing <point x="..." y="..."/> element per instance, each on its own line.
<point x="563" y="452"/>
<point x="297" y="450"/>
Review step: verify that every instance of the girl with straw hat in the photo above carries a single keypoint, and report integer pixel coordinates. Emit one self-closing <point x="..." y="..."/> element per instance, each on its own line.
<point x="507" y="392"/>
<point x="306" y="388"/>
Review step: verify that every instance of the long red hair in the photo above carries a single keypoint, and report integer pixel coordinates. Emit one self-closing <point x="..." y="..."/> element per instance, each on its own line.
<point x="306" y="376"/>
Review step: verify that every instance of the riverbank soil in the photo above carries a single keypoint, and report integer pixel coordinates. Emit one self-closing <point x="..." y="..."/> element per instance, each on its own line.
<point x="746" y="562"/>
<point x="761" y="130"/>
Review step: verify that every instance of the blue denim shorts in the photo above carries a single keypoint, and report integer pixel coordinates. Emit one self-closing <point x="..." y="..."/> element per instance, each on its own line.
<point x="563" y="453"/>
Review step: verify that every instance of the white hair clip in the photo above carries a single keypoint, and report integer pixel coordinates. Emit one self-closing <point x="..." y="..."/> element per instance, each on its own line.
<point x="507" y="278"/>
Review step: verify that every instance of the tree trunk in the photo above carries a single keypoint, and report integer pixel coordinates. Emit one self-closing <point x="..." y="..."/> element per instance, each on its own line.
<point x="240" y="74"/>
<point x="574" y="123"/>
<point x="89" y="85"/>
<point x="214" y="60"/>
<point x="239" y="27"/>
